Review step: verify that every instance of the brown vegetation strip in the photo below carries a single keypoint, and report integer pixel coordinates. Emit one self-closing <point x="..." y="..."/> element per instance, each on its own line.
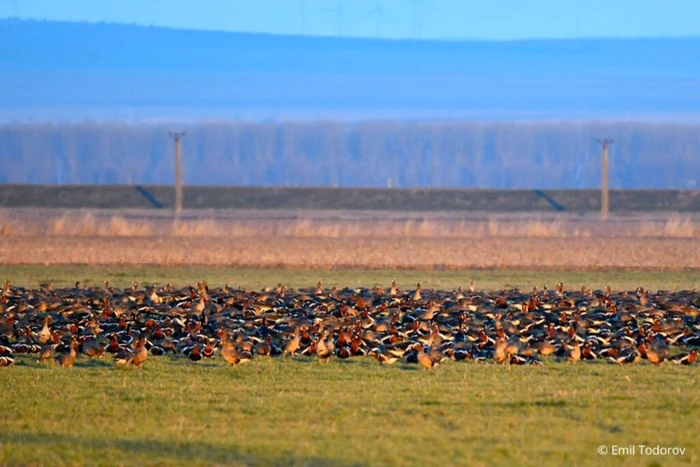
<point x="338" y="224"/>
<point x="370" y="253"/>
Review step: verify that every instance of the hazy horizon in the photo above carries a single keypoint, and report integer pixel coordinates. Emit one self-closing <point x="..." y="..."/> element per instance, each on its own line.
<point x="399" y="19"/>
<point x="67" y="71"/>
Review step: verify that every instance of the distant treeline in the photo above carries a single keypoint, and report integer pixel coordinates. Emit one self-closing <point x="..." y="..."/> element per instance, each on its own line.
<point x="367" y="154"/>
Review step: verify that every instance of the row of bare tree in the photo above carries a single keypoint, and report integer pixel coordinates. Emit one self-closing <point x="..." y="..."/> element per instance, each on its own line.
<point x="382" y="153"/>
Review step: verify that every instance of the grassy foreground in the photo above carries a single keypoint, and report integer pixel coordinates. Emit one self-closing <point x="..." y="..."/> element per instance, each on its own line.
<point x="273" y="412"/>
<point x="345" y="413"/>
<point x="66" y="275"/>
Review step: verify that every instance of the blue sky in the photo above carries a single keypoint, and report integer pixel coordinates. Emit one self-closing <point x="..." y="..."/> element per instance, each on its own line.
<point x="477" y="19"/>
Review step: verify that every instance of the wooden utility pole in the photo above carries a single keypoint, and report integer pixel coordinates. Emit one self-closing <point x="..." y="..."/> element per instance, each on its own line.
<point x="604" y="195"/>
<point x="178" y="169"/>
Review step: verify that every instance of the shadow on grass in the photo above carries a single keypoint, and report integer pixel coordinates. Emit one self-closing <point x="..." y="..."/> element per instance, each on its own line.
<point x="132" y="450"/>
<point x="96" y="363"/>
<point x="540" y="403"/>
<point x="32" y="361"/>
<point x="300" y="359"/>
<point x="203" y="363"/>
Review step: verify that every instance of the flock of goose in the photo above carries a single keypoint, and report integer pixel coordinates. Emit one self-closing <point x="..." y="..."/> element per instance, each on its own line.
<point x="426" y="327"/>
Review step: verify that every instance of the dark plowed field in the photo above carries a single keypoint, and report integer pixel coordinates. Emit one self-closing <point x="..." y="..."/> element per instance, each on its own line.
<point x="495" y="201"/>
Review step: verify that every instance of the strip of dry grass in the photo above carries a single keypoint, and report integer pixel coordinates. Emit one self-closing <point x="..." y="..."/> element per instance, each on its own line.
<point x="349" y="239"/>
<point x="329" y="224"/>
<point x="358" y="253"/>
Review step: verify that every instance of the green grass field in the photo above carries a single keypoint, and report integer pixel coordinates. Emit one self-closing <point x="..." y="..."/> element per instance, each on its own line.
<point x="354" y="412"/>
<point x="345" y="413"/>
<point x="62" y="276"/>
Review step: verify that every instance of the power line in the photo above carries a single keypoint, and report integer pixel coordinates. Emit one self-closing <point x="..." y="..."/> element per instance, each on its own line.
<point x="377" y="12"/>
<point x="304" y="12"/>
<point x="339" y="16"/>
<point x="416" y="17"/>
<point x="14" y="5"/>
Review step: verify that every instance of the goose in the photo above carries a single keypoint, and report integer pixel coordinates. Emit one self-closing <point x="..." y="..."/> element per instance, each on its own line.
<point x="93" y="349"/>
<point x="685" y="359"/>
<point x="324" y="351"/>
<point x="7" y="360"/>
<point x="292" y="345"/>
<point x="232" y="356"/>
<point x="135" y="358"/>
<point x="426" y="361"/>
<point x="648" y="353"/>
<point x="264" y="348"/>
<point x="67" y="360"/>
<point x="194" y="353"/>
<point x="587" y="352"/>
<point x="392" y="290"/>
<point x="512" y="327"/>
<point x="628" y="358"/>
<point x="381" y="354"/>
<point x="500" y="355"/>
<point x="573" y="352"/>
<point x="45" y="334"/>
<point x="417" y="296"/>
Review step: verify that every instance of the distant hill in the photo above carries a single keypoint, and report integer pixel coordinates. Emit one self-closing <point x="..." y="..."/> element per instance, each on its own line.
<point x="83" y="70"/>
